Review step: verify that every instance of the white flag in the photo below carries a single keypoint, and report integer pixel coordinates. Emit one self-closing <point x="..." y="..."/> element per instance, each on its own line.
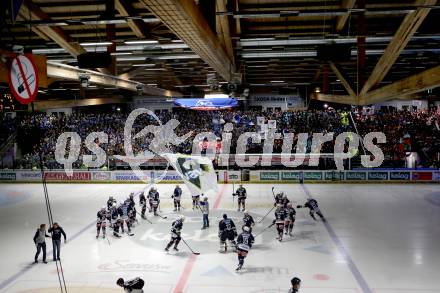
<point x="197" y="172"/>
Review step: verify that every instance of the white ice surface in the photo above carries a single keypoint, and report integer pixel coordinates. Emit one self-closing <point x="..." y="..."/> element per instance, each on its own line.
<point x="389" y="234"/>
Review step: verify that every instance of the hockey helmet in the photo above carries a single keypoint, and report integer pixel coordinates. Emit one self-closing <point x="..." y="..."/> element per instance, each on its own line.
<point x="225" y="216"/>
<point x="182" y="218"/>
<point x="246" y="229"/>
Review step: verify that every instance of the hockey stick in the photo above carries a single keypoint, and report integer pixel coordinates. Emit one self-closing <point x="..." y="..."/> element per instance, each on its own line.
<point x="233" y="192"/>
<point x="266" y="215"/>
<point x="144" y="218"/>
<point x="269" y="210"/>
<point x="264" y="230"/>
<point x="196" y="253"/>
<point x="163" y="217"/>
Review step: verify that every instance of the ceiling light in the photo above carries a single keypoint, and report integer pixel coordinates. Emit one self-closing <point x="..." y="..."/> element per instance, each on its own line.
<point x="96" y="44"/>
<point x="173" y="46"/>
<point x="216" y="96"/>
<point x="155" y="69"/>
<point x="176" y="41"/>
<point x="103" y="21"/>
<point x="131" y="58"/>
<point x="172" y="57"/>
<point x="277" y="81"/>
<point x="120" y="53"/>
<point x="144" y="65"/>
<point x="338" y="80"/>
<point x="317" y="90"/>
<point x="141" y="42"/>
<point x="151" y="19"/>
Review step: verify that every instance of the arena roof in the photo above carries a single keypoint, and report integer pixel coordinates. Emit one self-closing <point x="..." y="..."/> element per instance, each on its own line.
<point x="264" y="44"/>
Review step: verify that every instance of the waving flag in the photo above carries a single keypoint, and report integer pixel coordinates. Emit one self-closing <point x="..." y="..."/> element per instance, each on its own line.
<point x="197" y="172"/>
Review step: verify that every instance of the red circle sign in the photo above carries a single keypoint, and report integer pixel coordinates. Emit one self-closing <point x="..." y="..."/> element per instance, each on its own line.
<point x="23" y="79"/>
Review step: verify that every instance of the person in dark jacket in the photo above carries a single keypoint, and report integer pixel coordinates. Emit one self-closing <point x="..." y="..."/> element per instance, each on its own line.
<point x="296" y="284"/>
<point x="40" y="242"/>
<point x="132" y="286"/>
<point x="56" y="232"/>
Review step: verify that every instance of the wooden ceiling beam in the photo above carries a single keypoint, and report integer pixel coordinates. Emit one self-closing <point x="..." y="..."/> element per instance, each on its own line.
<point x="136" y="25"/>
<point x="343" y="79"/>
<point x="53" y="32"/>
<point x="340" y="99"/>
<point x="403" y="35"/>
<point x="66" y="72"/>
<point x="416" y="83"/>
<point x="342" y="20"/>
<point x="220" y="6"/>
<point x="184" y="18"/>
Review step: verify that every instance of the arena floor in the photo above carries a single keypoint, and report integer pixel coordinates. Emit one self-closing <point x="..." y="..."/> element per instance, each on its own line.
<point x="378" y="238"/>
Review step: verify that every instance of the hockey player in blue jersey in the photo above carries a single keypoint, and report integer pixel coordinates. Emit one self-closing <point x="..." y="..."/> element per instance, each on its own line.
<point x="176" y="229"/>
<point x="226" y="232"/>
<point x="313" y="207"/>
<point x="244" y="244"/>
<point x="177" y="195"/>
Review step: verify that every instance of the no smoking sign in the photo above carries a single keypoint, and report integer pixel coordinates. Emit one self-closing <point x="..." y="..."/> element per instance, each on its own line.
<point x="23" y="79"/>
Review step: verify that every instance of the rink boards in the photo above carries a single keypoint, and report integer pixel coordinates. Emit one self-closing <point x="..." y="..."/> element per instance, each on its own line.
<point x="229" y="176"/>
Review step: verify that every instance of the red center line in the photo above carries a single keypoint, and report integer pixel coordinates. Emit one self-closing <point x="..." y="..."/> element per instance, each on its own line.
<point x="24" y="77"/>
<point x="183" y="279"/>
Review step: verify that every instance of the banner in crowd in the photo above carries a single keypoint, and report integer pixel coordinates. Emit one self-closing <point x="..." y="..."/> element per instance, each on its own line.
<point x="207" y="104"/>
<point x="422" y="176"/>
<point x="379" y="175"/>
<point x="62" y="176"/>
<point x="353" y="175"/>
<point x="7" y="176"/>
<point x="400" y="175"/>
<point x="197" y="172"/>
<point x="229" y="176"/>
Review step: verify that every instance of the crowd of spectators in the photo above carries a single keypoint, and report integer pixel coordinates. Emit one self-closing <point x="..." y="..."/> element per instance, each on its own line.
<point x="405" y="131"/>
<point x="7" y="128"/>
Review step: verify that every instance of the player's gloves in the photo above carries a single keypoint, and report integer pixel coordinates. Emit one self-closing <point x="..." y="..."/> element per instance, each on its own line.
<point x="299" y="206"/>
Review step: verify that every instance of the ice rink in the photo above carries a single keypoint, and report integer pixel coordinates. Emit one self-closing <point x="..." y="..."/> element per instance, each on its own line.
<point x="379" y="238"/>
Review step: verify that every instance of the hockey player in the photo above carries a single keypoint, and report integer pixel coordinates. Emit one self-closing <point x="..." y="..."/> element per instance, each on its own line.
<point x="177" y="195"/>
<point x="131" y="209"/>
<point x="101" y="222"/>
<point x="153" y="197"/>
<point x="227" y="231"/>
<point x="110" y="202"/>
<point x="123" y="211"/>
<point x="278" y="198"/>
<point x="176" y="229"/>
<point x="133" y="286"/>
<point x="290" y="219"/>
<point x="195" y="201"/>
<point x="114" y="221"/>
<point x="143" y="204"/>
<point x="312" y="205"/>
<point x="285" y="201"/>
<point x="280" y="217"/>
<point x="244" y="244"/>
<point x="241" y="197"/>
<point x="248" y="221"/>
<point x="296" y="284"/>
